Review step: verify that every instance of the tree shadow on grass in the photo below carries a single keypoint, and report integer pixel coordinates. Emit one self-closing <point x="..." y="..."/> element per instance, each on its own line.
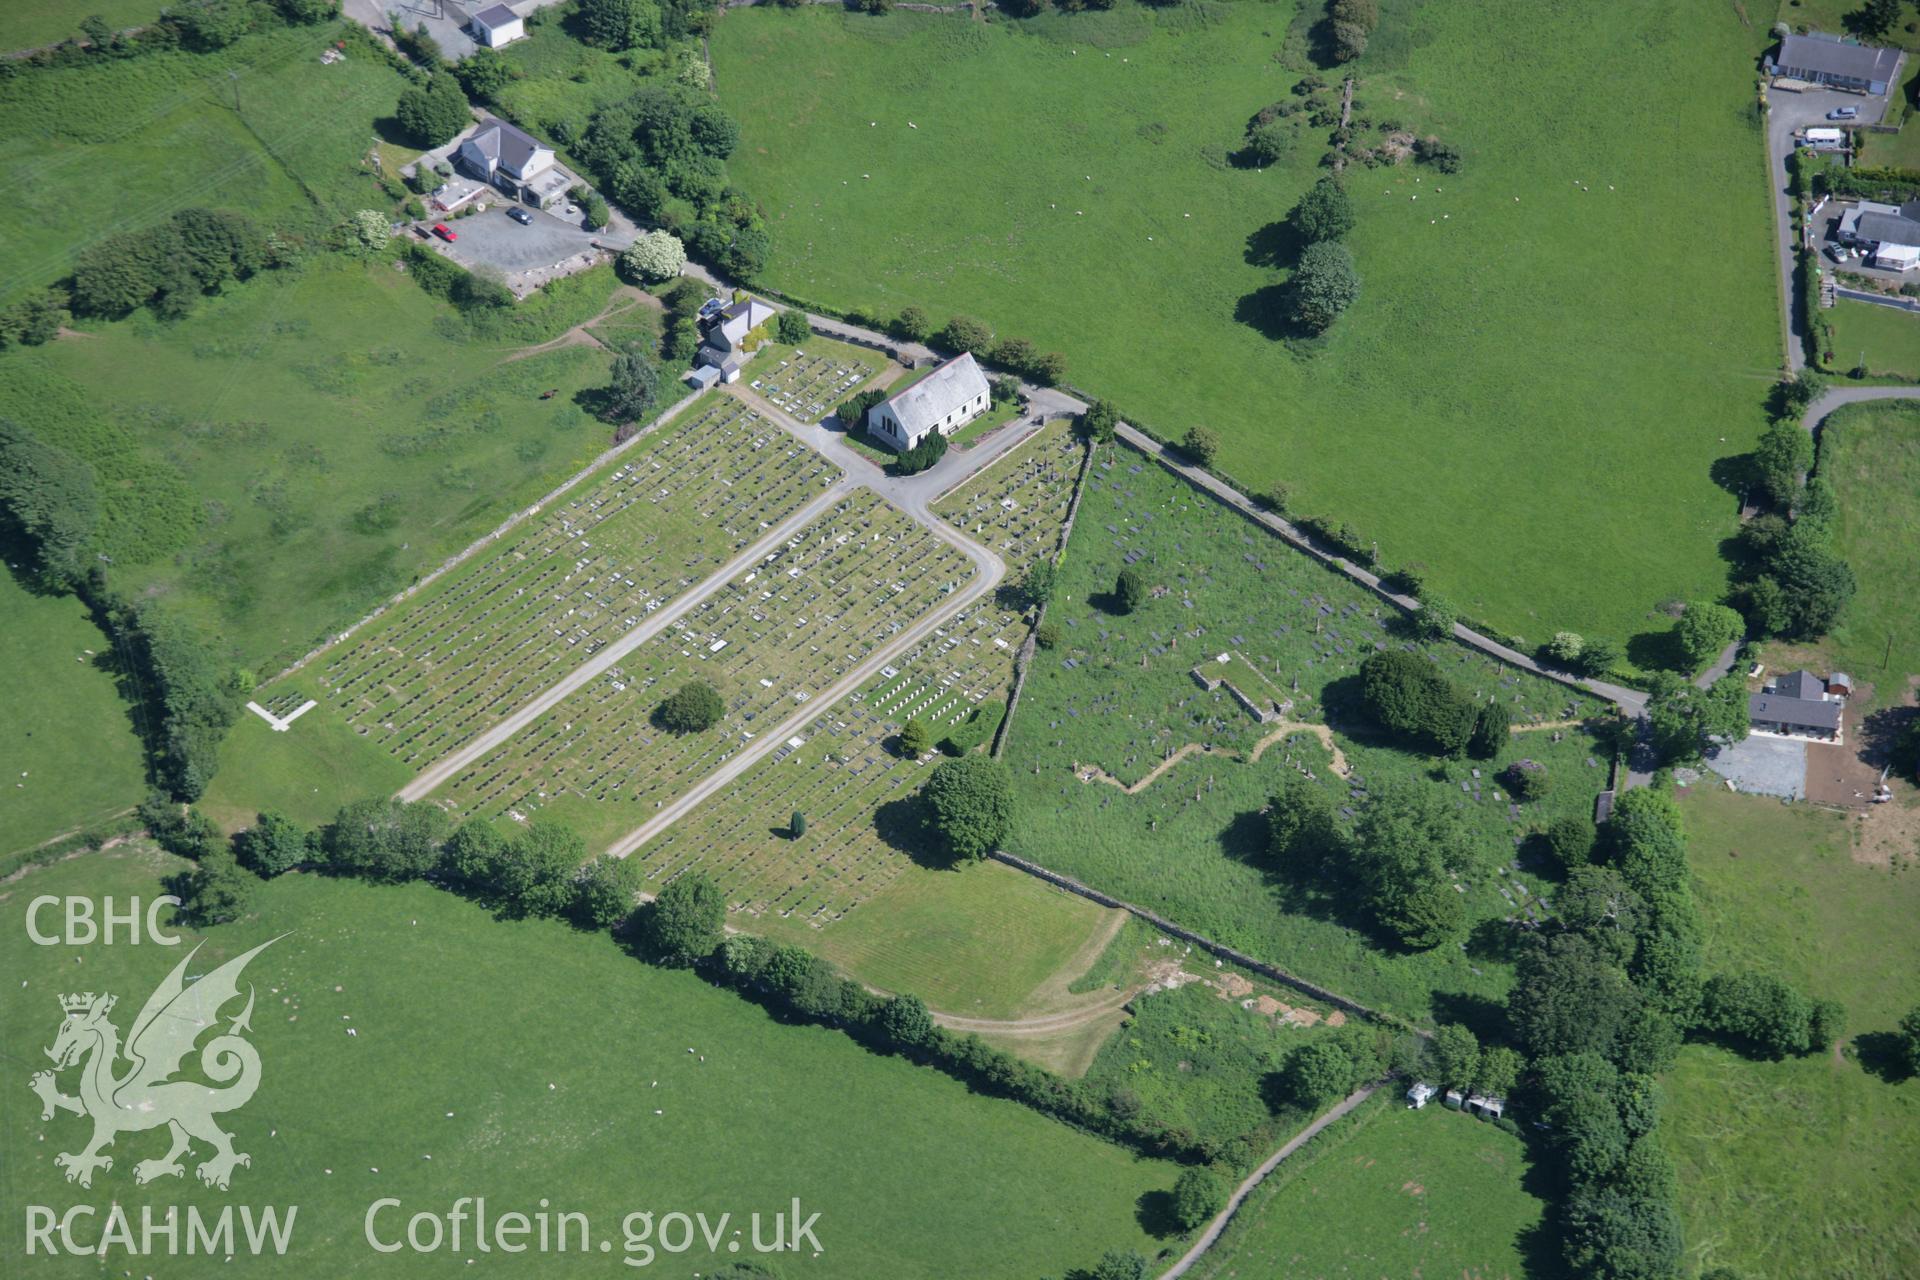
<point x="1880" y="735"/>
<point x="1154" y="1212"/>
<point x="903" y="825"/>
<point x="1485" y="1017"/>
<point x="1882" y="1054"/>
<point x="1278" y="244"/>
<point x="1657" y="650"/>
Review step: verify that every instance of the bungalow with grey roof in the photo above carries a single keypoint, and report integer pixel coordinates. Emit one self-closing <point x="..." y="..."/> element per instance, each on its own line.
<point x="1889" y="234"/>
<point x="1819" y="58"/>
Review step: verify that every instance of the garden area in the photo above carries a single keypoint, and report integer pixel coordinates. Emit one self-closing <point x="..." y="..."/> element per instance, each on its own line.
<point x="900" y="164"/>
<point x="566" y="1051"/>
<point x="1142" y="761"/>
<point x="1391" y="1191"/>
<point x="780" y="634"/>
<point x="1804" y="1165"/>
<point x="1885" y="341"/>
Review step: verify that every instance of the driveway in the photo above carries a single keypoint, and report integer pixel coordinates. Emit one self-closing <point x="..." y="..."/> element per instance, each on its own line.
<point x="1788" y="112"/>
<point x="1764" y="764"/>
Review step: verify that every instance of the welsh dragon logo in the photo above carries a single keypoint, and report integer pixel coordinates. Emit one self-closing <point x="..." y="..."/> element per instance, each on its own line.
<point x="145" y="1095"/>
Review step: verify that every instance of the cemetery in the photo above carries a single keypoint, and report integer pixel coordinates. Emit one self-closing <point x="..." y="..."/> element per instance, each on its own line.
<point x="1119" y="697"/>
<point x="808" y="381"/>
<point x="1018" y="505"/>
<point x="768" y="641"/>
<point x="502" y="627"/>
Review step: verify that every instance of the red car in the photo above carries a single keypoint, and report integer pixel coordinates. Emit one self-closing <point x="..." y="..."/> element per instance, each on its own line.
<point x="440" y="229"/>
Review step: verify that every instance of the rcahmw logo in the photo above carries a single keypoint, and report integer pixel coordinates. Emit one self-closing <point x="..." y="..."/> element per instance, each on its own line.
<point x="146" y="1095"/>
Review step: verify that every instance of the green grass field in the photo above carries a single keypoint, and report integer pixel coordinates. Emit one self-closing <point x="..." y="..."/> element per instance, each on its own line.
<point x="1392" y="1192"/>
<point x="1885" y="340"/>
<point x="260" y="127"/>
<point x="1118" y="695"/>
<point x="1501" y="309"/>
<point x="306" y="445"/>
<point x="1801" y="1167"/>
<point x="68" y="755"/>
<point x="32" y="23"/>
<point x="529" y="1060"/>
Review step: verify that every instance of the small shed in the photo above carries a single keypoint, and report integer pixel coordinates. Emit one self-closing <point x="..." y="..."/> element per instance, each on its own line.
<point x="1421" y="1094"/>
<point x="1840" y="684"/>
<point x="496" y="25"/>
<point x="703" y="378"/>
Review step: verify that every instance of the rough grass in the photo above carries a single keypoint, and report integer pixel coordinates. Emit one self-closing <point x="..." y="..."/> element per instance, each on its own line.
<point x="113" y="146"/>
<point x="1805" y="1166"/>
<point x="68" y="754"/>
<point x="1392" y="1192"/>
<point x="1563" y="379"/>
<point x="303" y="446"/>
<point x="1191" y="844"/>
<point x="564" y="1064"/>
<point x="33" y="23"/>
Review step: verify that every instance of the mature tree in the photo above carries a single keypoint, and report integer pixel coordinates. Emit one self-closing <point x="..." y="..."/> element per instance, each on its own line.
<point x="1119" y="1264"/>
<point x="432" y="114"/>
<point x="793" y="327"/>
<point x="1492" y="731"/>
<point x="484" y="74"/>
<point x="1876" y="17"/>
<point x="913" y="324"/>
<point x="1804" y="587"/>
<point x="386" y="839"/>
<point x="604" y="891"/>
<point x="1570" y="839"/>
<point x="684" y="924"/>
<point x="1704" y="630"/>
<point x="1037" y="585"/>
<point x="1564" y="649"/>
<point x="1200" y="444"/>
<point x="1317" y="1072"/>
<point x="1198" y="1194"/>
<point x="1325" y="212"/>
<point x="621" y="24"/>
<point x="273" y="844"/>
<point x="1498" y="1071"/>
<point x="1302" y="830"/>
<point x="1323" y="286"/>
<point x="1598" y="657"/>
<point x="694" y="707"/>
<point x="964" y="333"/>
<point x="1456" y="1056"/>
<point x="1570" y="995"/>
<point x="1049" y="368"/>
<point x="48" y="500"/>
<point x="536" y="874"/>
<point x="971" y="800"/>
<point x="1099" y="421"/>
<point x="633" y="388"/>
<point x="1129" y="590"/>
<point x="1598" y="904"/>
<point x="473" y="856"/>
<point x="1407" y="847"/>
<point x="905" y="1020"/>
<point x="212" y="24"/>
<point x="915" y="738"/>
<point x="218" y="889"/>
<point x="1682" y="721"/>
<point x="655" y="256"/>
<point x="1015" y="353"/>
<point x="1408" y="695"/>
<point x="1908" y="1042"/>
<point x="1784" y="455"/>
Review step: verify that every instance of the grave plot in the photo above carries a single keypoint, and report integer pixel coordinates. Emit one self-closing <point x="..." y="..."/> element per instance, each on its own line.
<point x="809" y="380"/>
<point x="1123" y="695"/>
<point x="508" y="623"/>
<point x="769" y="641"/>
<point x="1017" y="505"/>
<point x="842" y="772"/>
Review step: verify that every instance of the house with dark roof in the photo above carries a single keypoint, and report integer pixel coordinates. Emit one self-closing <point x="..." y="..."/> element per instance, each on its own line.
<point x="947" y="399"/>
<point x="1819" y="58"/>
<point x="1795" y="717"/>
<point x="1888" y="233"/>
<point x="512" y="160"/>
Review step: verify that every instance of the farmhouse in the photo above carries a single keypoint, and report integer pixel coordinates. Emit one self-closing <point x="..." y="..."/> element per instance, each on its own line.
<point x="1819" y="58"/>
<point x="497" y="25"/>
<point x="1801" y="705"/>
<point x="945" y="400"/>
<point x="513" y="161"/>
<point x="1889" y="234"/>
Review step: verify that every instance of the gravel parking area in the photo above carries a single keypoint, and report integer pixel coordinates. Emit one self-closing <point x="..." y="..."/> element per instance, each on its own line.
<point x="1766" y="765"/>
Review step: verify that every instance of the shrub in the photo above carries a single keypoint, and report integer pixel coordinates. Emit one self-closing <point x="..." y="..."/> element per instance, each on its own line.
<point x="1570" y="839"/>
<point x="218" y="889"/>
<point x="1757" y="1011"/>
<point x="1491" y="731"/>
<point x="1528" y="780"/>
<point x="964" y="333"/>
<point x="655" y="256"/>
<point x="913" y="325"/>
<point x="1129" y="591"/>
<point x="923" y="455"/>
<point x="1564" y="649"/>
<point x="1435" y="619"/>
<point x="797" y="824"/>
<point x="1099" y="421"/>
<point x="274" y="844"/>
<point x="433" y="113"/>
<point x="1047" y="635"/>
<point x="793" y="327"/>
<point x="971" y="800"/>
<point x="1198" y="1194"/>
<point x="915" y="738"/>
<point x="633" y="388"/>
<point x="692" y="708"/>
<point x="1200" y="444"/>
